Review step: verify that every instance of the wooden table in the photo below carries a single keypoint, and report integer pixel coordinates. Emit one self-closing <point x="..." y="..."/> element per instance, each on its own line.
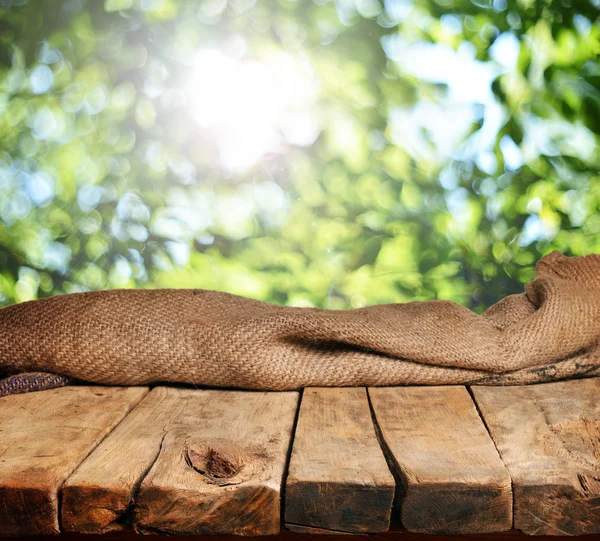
<point x="401" y="462"/>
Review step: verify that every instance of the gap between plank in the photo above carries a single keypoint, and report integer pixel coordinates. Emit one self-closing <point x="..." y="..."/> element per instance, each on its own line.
<point x="393" y="465"/>
<point x="288" y="457"/>
<point x="487" y="428"/>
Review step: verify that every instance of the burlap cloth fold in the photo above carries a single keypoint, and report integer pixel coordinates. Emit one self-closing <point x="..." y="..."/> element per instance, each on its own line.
<point x="208" y="338"/>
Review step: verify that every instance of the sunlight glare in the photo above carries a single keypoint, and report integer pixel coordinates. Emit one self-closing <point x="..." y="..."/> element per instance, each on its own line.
<point x="253" y="108"/>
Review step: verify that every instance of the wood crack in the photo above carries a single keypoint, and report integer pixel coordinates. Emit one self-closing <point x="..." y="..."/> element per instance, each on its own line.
<point x="307" y="526"/>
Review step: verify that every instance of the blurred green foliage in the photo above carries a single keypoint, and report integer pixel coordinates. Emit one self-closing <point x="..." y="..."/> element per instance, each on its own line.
<point x="455" y="143"/>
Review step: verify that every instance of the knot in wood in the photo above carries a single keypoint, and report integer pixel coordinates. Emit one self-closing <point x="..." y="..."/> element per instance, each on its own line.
<point x="220" y="466"/>
<point x="217" y="465"/>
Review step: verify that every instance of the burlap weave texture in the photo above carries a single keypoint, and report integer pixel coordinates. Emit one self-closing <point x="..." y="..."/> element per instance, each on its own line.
<point x="207" y="338"/>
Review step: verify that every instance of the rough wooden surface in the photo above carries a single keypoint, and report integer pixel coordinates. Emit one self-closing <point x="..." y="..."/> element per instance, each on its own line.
<point x="44" y="436"/>
<point x="453" y="480"/>
<point x="212" y="462"/>
<point x="549" y="437"/>
<point x="98" y="496"/>
<point x="338" y="477"/>
<point x="220" y="465"/>
<point x="395" y="534"/>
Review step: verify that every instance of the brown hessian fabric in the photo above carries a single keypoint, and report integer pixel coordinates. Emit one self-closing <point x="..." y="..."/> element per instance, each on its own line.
<point x="208" y="338"/>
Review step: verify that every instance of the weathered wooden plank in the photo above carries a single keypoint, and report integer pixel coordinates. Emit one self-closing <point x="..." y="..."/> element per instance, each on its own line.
<point x="338" y="477"/>
<point x="549" y="438"/>
<point x="220" y="466"/>
<point x="44" y="436"/>
<point x="97" y="497"/>
<point x="453" y="480"/>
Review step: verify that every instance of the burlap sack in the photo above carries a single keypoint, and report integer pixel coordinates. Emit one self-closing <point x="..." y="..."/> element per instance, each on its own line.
<point x="207" y="338"/>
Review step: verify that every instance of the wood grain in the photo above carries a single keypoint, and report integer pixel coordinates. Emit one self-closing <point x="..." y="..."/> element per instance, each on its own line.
<point x="220" y="465"/>
<point x="549" y="438"/>
<point x="44" y="436"/>
<point x="338" y="477"/>
<point x="453" y="480"/>
<point x="98" y="496"/>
